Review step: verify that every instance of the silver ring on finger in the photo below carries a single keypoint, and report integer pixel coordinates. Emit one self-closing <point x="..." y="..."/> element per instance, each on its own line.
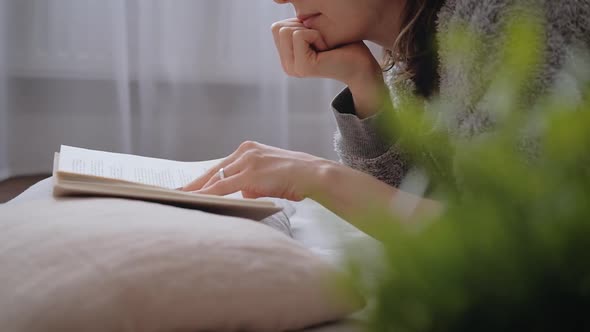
<point x="221" y="173"/>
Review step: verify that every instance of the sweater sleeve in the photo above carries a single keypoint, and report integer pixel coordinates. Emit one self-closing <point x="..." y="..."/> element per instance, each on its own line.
<point x="360" y="145"/>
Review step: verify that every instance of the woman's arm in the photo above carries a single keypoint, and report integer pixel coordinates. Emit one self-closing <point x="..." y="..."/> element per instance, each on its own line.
<point x="355" y="195"/>
<point x="360" y="145"/>
<point x="304" y="53"/>
<point x="259" y="170"/>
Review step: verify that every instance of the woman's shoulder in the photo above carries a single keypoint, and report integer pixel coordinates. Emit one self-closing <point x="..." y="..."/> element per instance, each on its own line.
<point x="482" y="17"/>
<point x="570" y="18"/>
<point x="465" y="81"/>
<point x="566" y="26"/>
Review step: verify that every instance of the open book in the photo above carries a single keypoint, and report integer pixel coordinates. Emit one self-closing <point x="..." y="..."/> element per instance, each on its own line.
<point x="85" y="172"/>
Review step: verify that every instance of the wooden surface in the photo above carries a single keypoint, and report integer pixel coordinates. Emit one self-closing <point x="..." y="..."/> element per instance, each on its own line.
<point x="14" y="186"/>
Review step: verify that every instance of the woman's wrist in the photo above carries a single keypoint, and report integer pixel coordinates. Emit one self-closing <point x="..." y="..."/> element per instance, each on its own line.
<point x="319" y="178"/>
<point x="346" y="191"/>
<point x="354" y="195"/>
<point x="368" y="92"/>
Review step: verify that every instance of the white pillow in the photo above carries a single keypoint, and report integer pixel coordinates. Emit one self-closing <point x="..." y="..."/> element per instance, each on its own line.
<point x="120" y="265"/>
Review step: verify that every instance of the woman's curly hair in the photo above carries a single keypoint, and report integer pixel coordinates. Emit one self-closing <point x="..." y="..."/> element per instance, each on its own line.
<point x="416" y="46"/>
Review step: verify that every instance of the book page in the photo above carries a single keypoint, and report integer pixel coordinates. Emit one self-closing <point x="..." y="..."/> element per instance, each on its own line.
<point x="151" y="171"/>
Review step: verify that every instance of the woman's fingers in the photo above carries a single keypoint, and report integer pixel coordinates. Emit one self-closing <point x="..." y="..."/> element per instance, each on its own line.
<point x="283" y="33"/>
<point x="223" y="187"/>
<point x="315" y="39"/>
<point x="286" y="48"/>
<point x="200" y="181"/>
<point x="214" y="178"/>
<point x="258" y="170"/>
<point x="298" y="47"/>
<point x="283" y="41"/>
<point x="210" y="174"/>
<point x="228" y="171"/>
<point x="276" y="28"/>
<point x="305" y="57"/>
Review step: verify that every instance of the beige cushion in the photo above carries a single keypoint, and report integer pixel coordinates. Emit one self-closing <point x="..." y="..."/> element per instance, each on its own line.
<point x="120" y="265"/>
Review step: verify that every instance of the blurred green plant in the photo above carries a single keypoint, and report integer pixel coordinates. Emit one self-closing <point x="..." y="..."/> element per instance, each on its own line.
<point x="509" y="252"/>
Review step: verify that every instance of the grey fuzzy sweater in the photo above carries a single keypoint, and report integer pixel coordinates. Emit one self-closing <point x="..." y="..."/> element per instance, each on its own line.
<point x="567" y="24"/>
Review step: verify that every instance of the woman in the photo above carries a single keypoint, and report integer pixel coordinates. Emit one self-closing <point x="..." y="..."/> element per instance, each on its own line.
<point x="326" y="40"/>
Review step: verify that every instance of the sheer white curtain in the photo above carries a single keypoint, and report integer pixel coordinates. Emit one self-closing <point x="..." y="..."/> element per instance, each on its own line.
<point x="181" y="79"/>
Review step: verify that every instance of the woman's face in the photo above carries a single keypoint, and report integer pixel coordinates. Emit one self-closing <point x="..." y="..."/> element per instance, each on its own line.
<point x="346" y="21"/>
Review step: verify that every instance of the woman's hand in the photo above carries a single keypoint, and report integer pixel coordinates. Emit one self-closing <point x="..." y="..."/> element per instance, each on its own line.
<point x="258" y="170"/>
<point x="304" y="53"/>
